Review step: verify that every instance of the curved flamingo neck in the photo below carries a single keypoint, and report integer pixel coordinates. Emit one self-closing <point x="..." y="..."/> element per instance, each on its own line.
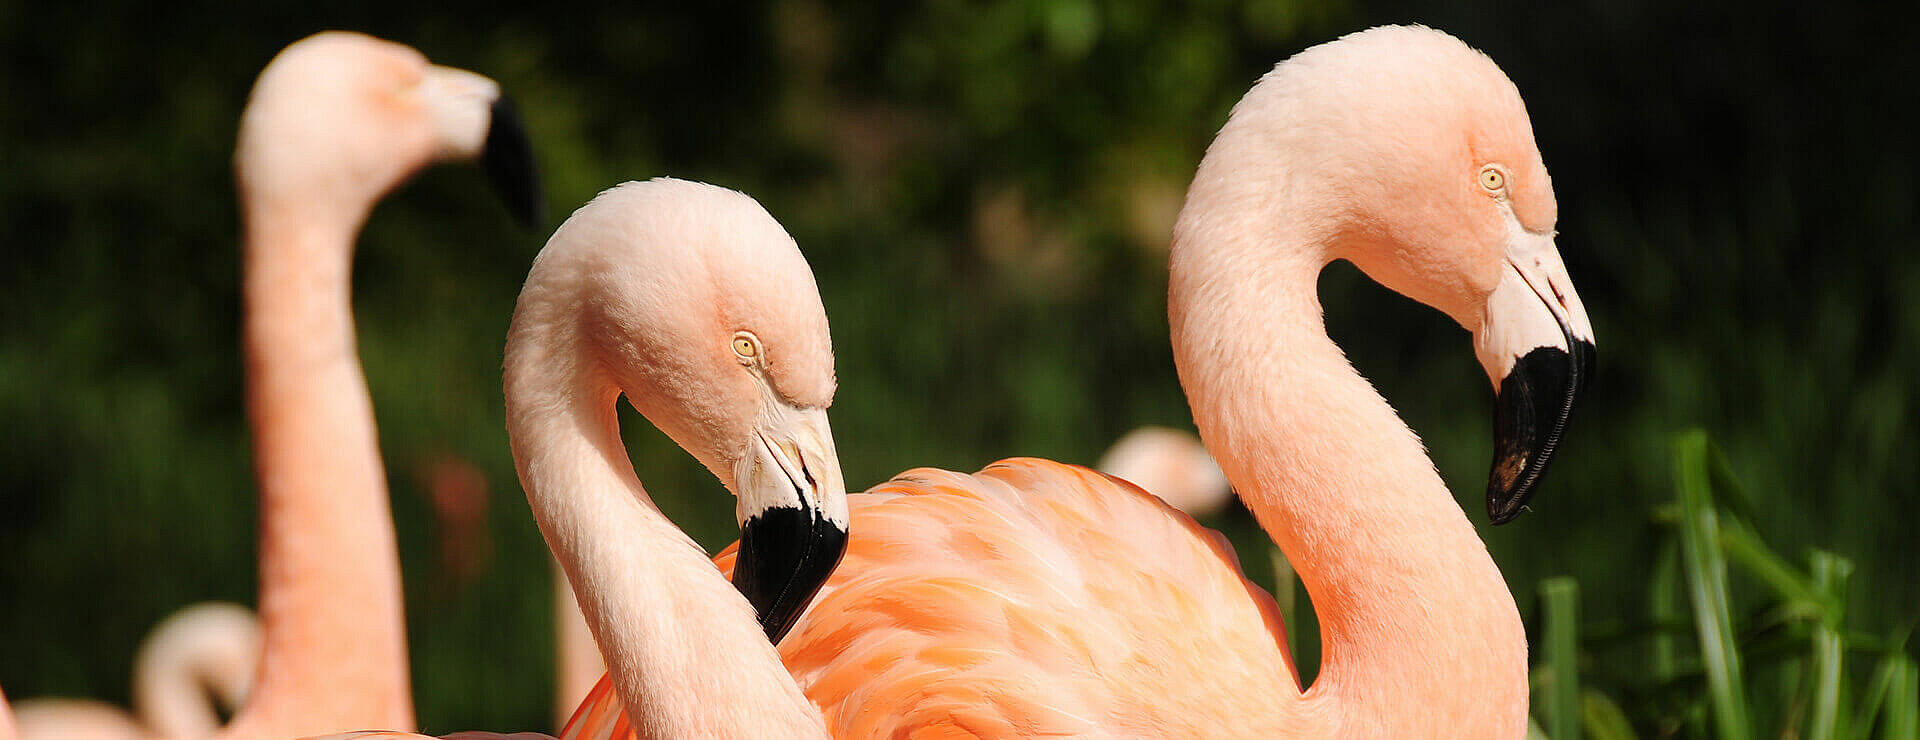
<point x="183" y="701"/>
<point x="334" y="650"/>
<point x="196" y="661"/>
<point x="686" y="654"/>
<point x="1419" y="629"/>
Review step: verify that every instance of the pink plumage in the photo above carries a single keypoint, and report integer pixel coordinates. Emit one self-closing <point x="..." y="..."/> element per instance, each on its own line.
<point x="994" y="605"/>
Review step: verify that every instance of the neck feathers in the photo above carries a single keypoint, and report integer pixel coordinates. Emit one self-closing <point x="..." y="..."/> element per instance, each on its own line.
<point x="330" y="602"/>
<point x="1408" y="598"/>
<point x="687" y="656"/>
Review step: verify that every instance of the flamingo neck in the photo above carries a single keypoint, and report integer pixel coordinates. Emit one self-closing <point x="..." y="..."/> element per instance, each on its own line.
<point x="1419" y="630"/>
<point x="197" y="661"/>
<point x="686" y="654"/>
<point x="178" y="704"/>
<point x="334" y="650"/>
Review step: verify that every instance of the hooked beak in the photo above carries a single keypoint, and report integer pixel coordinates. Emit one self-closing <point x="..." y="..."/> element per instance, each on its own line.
<point x="793" y="516"/>
<point x="1537" y="347"/>
<point x="474" y="119"/>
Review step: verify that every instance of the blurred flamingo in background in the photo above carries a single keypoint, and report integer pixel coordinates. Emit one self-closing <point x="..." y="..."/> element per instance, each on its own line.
<point x="1035" y="598"/>
<point x="196" y="664"/>
<point x="335" y="122"/>
<point x="61" y="718"/>
<point x="1171" y="464"/>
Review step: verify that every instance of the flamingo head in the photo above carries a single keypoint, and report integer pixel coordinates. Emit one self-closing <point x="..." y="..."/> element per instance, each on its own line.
<point x="701" y="310"/>
<point x="1420" y="151"/>
<point x="341" y="118"/>
<point x="1171" y="464"/>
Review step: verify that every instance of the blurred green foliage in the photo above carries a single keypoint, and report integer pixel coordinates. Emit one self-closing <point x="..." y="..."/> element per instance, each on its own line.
<point x="985" y="192"/>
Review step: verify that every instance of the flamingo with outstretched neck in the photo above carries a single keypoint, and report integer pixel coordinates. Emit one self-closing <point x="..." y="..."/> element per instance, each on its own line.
<point x="195" y="663"/>
<point x="335" y="122"/>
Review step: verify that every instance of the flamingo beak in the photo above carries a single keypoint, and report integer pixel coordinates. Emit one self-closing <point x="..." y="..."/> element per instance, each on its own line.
<point x="473" y="119"/>
<point x="507" y="158"/>
<point x="1537" y="347"/>
<point x="792" y="514"/>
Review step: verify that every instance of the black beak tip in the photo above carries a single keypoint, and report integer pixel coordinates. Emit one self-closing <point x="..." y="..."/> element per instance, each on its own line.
<point x="1502" y="507"/>
<point x="786" y="555"/>
<point x="507" y="159"/>
<point x="1529" y="419"/>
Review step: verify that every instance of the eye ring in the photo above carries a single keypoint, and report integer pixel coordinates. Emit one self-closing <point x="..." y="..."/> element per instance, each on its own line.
<point x="746" y="346"/>
<point x="1492" y="179"/>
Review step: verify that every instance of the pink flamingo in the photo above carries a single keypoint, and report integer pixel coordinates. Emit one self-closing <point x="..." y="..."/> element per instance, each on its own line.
<point x="335" y="122"/>
<point x="1171" y="464"/>
<point x="693" y="303"/>
<point x="1035" y="598"/>
<point x="195" y="662"/>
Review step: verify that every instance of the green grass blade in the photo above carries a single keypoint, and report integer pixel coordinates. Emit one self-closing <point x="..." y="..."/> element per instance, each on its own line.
<point x="1875" y="696"/>
<point x="1706" y="575"/>
<point x="1744" y="548"/>
<point x="1727" y="490"/>
<point x="1533" y="730"/>
<point x="1560" y="610"/>
<point x="1903" y="701"/>
<point x="1825" y="720"/>
<point x="1663" y="606"/>
<point x="1602" y="718"/>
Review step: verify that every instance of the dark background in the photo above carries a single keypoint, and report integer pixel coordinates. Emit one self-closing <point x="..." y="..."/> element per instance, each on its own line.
<point x="985" y="193"/>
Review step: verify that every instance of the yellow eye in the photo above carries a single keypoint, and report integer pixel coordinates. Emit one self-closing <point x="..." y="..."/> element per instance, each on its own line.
<point x="1493" y="179"/>
<point x="745" y="346"/>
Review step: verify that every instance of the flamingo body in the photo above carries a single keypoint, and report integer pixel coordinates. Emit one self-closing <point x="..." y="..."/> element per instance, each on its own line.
<point x="394" y="735"/>
<point x="77" y="719"/>
<point x="1007" y="604"/>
